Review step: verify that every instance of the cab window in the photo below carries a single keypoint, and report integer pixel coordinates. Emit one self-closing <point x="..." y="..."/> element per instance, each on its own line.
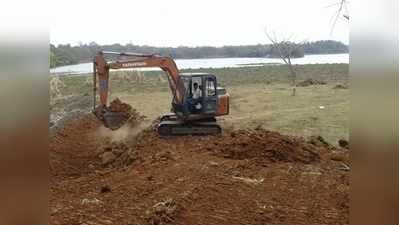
<point x="210" y="87"/>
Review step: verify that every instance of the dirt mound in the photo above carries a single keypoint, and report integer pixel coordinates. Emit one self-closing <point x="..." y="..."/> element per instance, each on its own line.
<point x="118" y="106"/>
<point x="117" y="154"/>
<point x="309" y="82"/>
<point x="127" y="111"/>
<point x="341" y="86"/>
<point x="117" y="114"/>
<point x="242" y="177"/>
<point x="73" y="149"/>
<point x="162" y="212"/>
<point x="264" y="146"/>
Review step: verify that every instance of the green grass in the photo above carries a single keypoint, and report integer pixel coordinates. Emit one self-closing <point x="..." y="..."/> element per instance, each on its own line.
<point x="272" y="107"/>
<point x="277" y="74"/>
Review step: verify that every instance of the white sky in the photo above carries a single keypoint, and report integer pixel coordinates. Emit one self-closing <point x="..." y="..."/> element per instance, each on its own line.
<point x="187" y="22"/>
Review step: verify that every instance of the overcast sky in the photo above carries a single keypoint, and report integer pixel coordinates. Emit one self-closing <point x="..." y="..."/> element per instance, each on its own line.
<point x="193" y="22"/>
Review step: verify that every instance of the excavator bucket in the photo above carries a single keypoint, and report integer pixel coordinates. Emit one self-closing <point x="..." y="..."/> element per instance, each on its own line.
<point x="114" y="116"/>
<point x="114" y="120"/>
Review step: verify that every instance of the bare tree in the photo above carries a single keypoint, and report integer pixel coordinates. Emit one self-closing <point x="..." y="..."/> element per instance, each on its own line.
<point x="342" y="6"/>
<point x="285" y="49"/>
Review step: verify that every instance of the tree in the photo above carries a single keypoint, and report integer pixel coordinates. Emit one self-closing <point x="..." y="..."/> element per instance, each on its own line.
<point x="342" y="5"/>
<point x="67" y="54"/>
<point x="285" y="50"/>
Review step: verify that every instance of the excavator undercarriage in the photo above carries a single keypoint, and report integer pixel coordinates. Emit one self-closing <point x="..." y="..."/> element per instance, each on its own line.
<point x="170" y="125"/>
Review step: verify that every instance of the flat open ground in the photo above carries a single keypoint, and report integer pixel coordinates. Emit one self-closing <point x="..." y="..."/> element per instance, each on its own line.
<point x="253" y="176"/>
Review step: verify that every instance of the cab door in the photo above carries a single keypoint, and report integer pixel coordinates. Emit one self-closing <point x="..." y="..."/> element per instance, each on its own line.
<point x="210" y="95"/>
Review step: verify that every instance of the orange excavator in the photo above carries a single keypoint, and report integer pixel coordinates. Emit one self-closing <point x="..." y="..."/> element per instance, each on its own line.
<point x="197" y="98"/>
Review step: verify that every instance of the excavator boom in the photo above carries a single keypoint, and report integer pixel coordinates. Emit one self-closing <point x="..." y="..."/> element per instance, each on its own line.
<point x="167" y="64"/>
<point x="115" y="120"/>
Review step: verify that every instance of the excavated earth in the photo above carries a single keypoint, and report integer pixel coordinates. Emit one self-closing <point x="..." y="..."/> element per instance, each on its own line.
<point x="310" y="82"/>
<point x="241" y="177"/>
<point x="126" y="110"/>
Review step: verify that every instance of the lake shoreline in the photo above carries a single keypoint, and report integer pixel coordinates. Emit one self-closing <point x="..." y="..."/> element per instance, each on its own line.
<point x="208" y="63"/>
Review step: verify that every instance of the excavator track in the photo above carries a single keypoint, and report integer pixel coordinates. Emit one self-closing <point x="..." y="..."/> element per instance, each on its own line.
<point x="172" y="127"/>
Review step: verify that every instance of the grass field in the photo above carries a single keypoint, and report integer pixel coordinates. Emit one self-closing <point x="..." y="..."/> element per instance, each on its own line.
<point x="260" y="96"/>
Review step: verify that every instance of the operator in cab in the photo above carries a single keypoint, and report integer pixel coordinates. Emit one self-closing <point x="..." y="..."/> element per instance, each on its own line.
<point x="196" y="99"/>
<point x="196" y="92"/>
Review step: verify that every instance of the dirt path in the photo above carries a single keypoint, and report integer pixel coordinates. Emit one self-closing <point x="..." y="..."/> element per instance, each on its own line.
<point x="242" y="177"/>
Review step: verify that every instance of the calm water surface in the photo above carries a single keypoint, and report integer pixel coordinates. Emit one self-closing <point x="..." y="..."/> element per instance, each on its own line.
<point x="217" y="63"/>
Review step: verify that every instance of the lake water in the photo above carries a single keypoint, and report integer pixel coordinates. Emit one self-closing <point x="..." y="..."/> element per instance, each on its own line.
<point x="217" y="63"/>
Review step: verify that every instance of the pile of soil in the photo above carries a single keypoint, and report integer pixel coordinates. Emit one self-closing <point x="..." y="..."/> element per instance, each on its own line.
<point x="265" y="146"/>
<point x="117" y="154"/>
<point x="341" y="86"/>
<point x="118" y="106"/>
<point x="242" y="177"/>
<point x="310" y="82"/>
<point x="74" y="148"/>
<point x="163" y="212"/>
<point x="129" y="114"/>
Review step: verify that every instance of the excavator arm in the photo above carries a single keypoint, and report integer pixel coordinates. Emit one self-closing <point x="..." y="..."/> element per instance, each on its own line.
<point x="167" y="64"/>
<point x="101" y="68"/>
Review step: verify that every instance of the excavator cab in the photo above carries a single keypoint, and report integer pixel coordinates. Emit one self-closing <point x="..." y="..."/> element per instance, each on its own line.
<point x="201" y="94"/>
<point x="203" y="100"/>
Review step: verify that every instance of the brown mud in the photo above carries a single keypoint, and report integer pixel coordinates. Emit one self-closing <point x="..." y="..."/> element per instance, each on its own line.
<point x="240" y="177"/>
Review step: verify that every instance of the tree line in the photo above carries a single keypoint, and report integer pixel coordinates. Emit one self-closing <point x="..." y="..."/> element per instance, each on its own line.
<point x="66" y="54"/>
